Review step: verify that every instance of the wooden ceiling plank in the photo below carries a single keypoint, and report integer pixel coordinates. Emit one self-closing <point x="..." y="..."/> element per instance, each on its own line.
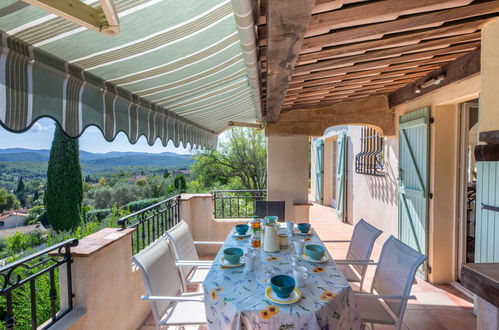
<point x="376" y="31"/>
<point x="376" y="11"/>
<point x="287" y="23"/>
<point x="454" y="53"/>
<point x="409" y="38"/>
<point x="397" y="51"/>
<point x="435" y="45"/>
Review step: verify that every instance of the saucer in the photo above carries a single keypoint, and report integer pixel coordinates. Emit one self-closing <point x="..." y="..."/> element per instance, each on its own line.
<point x="225" y="263"/>
<point x="237" y="235"/>
<point x="297" y="232"/>
<point x="321" y="260"/>
<point x="293" y="297"/>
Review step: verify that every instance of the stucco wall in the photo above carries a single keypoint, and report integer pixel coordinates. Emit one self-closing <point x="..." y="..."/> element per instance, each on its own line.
<point x="287" y="172"/>
<point x="372" y="198"/>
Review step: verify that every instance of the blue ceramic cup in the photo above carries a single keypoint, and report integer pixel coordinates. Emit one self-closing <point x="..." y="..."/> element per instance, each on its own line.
<point x="242" y="229"/>
<point x="314" y="251"/>
<point x="282" y="285"/>
<point x="233" y="255"/>
<point x="304" y="227"/>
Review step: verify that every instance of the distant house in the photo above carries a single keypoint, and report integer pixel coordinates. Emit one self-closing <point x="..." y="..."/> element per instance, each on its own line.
<point x="23" y="229"/>
<point x="135" y="178"/>
<point x="12" y="219"/>
<point x="185" y="172"/>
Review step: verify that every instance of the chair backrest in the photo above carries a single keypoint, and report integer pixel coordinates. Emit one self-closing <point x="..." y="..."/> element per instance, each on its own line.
<point x="275" y="208"/>
<point x="159" y="273"/>
<point x="362" y="242"/>
<point x="395" y="272"/>
<point x="183" y="244"/>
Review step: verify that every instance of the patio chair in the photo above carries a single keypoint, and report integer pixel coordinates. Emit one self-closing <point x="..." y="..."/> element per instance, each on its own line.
<point x="275" y="208"/>
<point x="184" y="249"/>
<point x="392" y="283"/>
<point x="163" y="288"/>
<point x="361" y="245"/>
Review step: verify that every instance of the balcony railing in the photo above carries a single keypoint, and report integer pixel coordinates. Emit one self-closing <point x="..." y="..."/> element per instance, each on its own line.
<point x="236" y="204"/>
<point x="152" y="222"/>
<point x="30" y="295"/>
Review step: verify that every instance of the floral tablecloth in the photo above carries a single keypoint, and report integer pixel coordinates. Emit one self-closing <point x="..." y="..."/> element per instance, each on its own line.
<point x="236" y="299"/>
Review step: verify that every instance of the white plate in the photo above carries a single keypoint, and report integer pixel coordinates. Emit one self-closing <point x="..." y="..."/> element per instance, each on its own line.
<point x="321" y="260"/>
<point x="293" y="297"/>
<point x="225" y="263"/>
<point x="236" y="234"/>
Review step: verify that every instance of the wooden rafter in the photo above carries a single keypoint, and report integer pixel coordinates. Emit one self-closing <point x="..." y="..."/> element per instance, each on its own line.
<point x="287" y="22"/>
<point x="102" y="19"/>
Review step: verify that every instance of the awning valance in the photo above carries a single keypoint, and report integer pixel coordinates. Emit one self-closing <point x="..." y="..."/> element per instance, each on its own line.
<point x="177" y="71"/>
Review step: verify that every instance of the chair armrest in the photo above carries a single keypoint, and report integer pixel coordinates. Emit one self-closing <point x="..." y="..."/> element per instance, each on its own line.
<point x="193" y="263"/>
<point x="208" y="243"/>
<point x="382" y="296"/>
<point x="168" y="298"/>
<point x="336" y="241"/>
<point x="355" y="262"/>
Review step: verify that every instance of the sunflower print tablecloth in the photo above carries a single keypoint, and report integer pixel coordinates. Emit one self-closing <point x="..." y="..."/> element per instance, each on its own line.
<point x="235" y="299"/>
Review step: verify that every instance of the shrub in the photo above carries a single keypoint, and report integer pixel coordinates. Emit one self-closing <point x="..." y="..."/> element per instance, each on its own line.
<point x="97" y="214"/>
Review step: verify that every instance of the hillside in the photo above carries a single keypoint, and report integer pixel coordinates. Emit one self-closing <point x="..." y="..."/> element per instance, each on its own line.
<point x="166" y="159"/>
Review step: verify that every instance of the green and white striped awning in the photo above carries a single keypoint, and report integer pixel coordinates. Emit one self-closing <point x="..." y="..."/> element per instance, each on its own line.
<point x="178" y="70"/>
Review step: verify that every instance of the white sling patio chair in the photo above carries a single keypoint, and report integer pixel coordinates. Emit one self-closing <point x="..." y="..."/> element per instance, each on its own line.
<point x="163" y="288"/>
<point x="392" y="283"/>
<point x="184" y="249"/>
<point x="361" y="245"/>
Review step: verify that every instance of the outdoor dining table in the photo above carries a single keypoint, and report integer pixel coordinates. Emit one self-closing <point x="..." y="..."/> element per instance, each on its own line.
<point x="235" y="298"/>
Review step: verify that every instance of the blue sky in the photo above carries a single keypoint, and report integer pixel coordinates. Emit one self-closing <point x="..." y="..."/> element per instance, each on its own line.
<point x="41" y="133"/>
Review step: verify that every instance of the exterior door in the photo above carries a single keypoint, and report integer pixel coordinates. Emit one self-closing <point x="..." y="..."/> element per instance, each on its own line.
<point x="319" y="171"/>
<point x="487" y="216"/>
<point x="413" y="181"/>
<point x="341" y="176"/>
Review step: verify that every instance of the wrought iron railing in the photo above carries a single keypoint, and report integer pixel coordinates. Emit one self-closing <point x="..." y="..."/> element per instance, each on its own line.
<point x="152" y="222"/>
<point x="26" y="284"/>
<point x="236" y="204"/>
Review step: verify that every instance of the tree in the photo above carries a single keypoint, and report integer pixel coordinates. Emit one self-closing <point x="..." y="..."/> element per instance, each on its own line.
<point x="20" y="192"/>
<point x="7" y="201"/>
<point x="166" y="174"/>
<point x="64" y="191"/>
<point x="242" y="155"/>
<point x="179" y="184"/>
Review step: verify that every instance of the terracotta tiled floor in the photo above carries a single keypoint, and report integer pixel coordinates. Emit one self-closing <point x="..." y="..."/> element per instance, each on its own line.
<point x="437" y="306"/>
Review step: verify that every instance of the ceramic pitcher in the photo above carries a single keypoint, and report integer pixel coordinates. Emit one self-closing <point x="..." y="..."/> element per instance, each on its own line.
<point x="270" y="238"/>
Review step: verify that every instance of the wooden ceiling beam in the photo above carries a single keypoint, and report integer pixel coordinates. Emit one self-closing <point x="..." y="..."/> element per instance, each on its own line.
<point x="464" y="67"/>
<point x="287" y="23"/>
<point x="416" y="22"/>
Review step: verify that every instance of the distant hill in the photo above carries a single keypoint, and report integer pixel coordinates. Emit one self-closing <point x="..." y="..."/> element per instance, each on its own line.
<point x="114" y="158"/>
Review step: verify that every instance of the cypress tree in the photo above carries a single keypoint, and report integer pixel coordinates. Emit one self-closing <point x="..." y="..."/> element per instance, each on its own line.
<point x="64" y="190"/>
<point x="20" y="193"/>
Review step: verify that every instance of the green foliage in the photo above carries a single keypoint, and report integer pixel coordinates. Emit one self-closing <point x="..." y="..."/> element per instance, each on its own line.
<point x="20" y="192"/>
<point x="142" y="204"/>
<point x="8" y="201"/>
<point x="141" y="182"/>
<point x="64" y="193"/>
<point x="20" y="242"/>
<point x="180" y="184"/>
<point x="240" y="161"/>
<point x="33" y="214"/>
<point x="166" y="174"/>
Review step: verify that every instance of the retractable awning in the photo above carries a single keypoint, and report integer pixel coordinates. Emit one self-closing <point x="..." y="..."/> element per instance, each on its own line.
<point x="178" y="70"/>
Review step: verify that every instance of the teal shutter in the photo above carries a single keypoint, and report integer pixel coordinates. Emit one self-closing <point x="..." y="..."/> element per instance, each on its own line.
<point x="413" y="180"/>
<point x="341" y="166"/>
<point x="487" y="221"/>
<point x="319" y="171"/>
